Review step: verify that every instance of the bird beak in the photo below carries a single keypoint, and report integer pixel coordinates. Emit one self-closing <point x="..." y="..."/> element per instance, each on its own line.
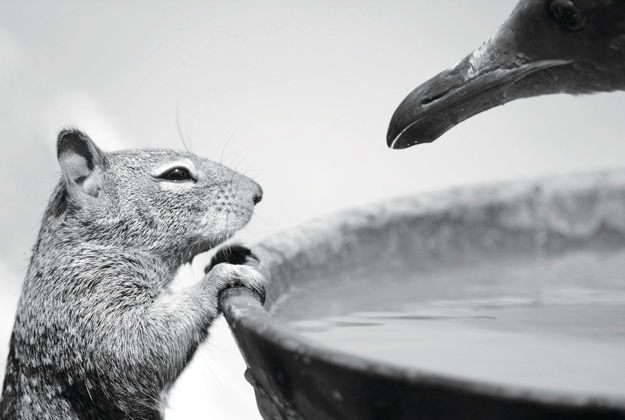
<point x="480" y="81"/>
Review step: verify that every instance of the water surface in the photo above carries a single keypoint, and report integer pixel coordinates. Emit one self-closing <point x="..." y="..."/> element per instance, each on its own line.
<point x="553" y="323"/>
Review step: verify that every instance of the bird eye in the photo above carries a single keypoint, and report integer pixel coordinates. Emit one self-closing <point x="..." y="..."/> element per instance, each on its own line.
<point x="568" y="14"/>
<point x="177" y="174"/>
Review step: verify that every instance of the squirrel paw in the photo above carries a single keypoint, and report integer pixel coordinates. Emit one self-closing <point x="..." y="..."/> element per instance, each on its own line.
<point x="236" y="266"/>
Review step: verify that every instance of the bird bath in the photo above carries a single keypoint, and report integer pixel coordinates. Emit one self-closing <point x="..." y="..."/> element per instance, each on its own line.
<point x="497" y="302"/>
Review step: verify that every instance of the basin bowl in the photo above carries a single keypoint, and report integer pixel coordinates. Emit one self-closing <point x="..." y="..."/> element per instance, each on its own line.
<point x="412" y="244"/>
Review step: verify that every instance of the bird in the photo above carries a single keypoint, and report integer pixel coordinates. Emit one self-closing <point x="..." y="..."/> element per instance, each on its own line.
<point x="543" y="47"/>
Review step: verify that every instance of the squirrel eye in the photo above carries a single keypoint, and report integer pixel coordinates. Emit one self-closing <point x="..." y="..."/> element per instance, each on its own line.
<point x="177" y="174"/>
<point x="568" y="14"/>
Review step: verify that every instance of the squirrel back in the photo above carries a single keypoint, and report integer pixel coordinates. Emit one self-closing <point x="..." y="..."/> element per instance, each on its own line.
<point x="98" y="331"/>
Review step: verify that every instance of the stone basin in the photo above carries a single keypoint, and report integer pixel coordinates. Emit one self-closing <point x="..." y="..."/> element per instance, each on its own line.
<point x="499" y="299"/>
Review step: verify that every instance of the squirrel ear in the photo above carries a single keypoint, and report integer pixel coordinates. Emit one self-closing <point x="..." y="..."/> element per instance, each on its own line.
<point x="79" y="158"/>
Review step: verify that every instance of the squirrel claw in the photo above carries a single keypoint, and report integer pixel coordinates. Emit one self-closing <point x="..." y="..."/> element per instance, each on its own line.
<point x="258" y="290"/>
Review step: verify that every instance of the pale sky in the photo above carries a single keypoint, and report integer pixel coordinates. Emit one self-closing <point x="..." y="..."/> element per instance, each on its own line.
<point x="298" y="94"/>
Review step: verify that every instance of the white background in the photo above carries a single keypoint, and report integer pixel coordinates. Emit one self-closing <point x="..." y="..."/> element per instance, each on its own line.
<point x="297" y="94"/>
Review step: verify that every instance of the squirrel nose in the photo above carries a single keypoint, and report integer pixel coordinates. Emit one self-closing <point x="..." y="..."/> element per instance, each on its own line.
<point x="258" y="195"/>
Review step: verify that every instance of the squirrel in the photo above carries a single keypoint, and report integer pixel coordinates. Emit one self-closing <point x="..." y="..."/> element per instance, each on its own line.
<point x="99" y="333"/>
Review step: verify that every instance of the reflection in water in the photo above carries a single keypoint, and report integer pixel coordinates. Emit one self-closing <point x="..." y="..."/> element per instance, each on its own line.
<point x="555" y="324"/>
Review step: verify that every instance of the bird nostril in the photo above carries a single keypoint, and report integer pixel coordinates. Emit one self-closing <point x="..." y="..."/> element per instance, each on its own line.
<point x="430" y="97"/>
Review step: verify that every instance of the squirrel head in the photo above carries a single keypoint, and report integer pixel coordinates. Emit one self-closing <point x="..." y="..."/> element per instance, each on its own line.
<point x="168" y="202"/>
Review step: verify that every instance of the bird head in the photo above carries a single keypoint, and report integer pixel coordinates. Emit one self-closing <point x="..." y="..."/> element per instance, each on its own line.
<point x="544" y="47"/>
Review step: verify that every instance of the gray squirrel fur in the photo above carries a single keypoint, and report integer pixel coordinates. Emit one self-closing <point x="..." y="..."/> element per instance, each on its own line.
<point x="98" y="333"/>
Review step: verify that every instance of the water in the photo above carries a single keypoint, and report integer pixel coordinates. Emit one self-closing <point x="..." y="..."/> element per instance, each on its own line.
<point x="555" y="324"/>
